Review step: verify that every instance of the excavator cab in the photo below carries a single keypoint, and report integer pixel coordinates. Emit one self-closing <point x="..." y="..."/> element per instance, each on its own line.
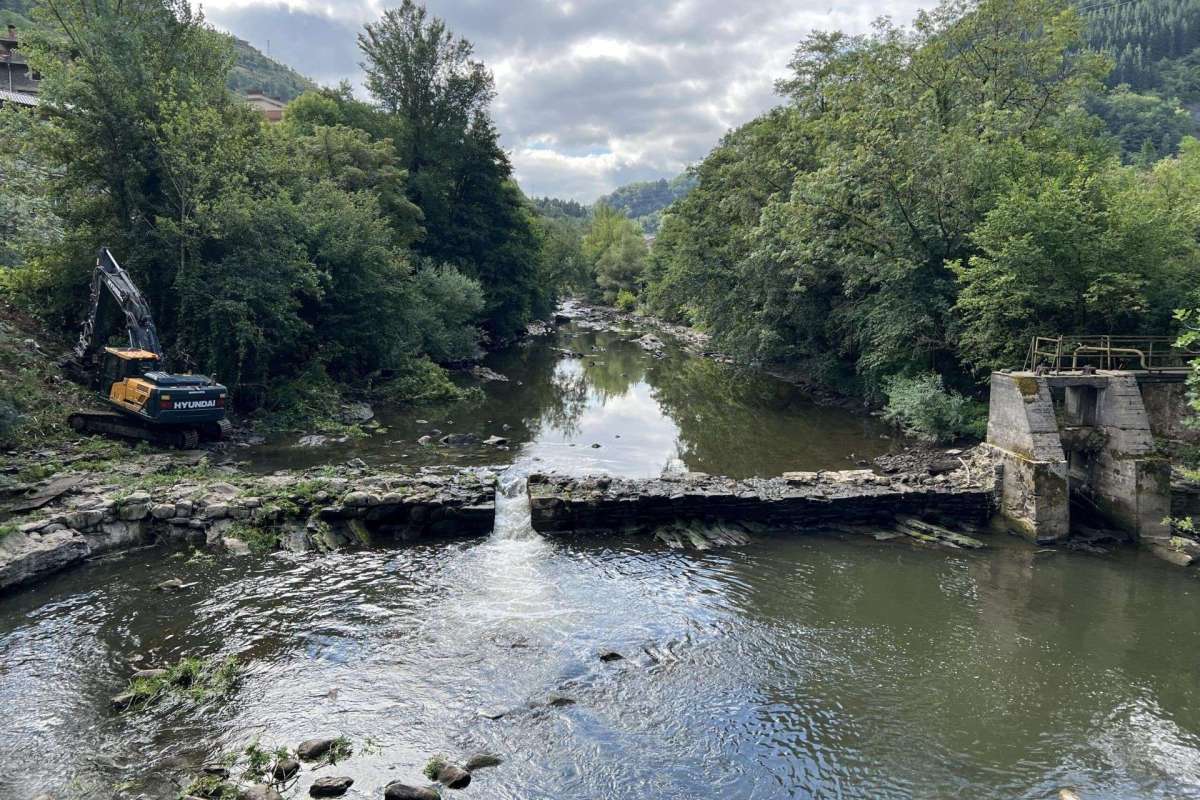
<point x="120" y="364"/>
<point x="147" y="403"/>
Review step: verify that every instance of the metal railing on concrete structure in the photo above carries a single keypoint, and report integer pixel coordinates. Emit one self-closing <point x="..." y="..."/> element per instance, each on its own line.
<point x="1084" y="353"/>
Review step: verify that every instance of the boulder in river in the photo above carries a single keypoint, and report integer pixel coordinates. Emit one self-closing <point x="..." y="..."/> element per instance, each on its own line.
<point x="330" y="786"/>
<point x="352" y="413"/>
<point x="556" y="700"/>
<point x="453" y="776"/>
<point x="147" y="674"/>
<point x="610" y="655"/>
<point x="495" y="441"/>
<point x="401" y="791"/>
<point x="171" y="585"/>
<point x="312" y="749"/>
<point x="284" y="769"/>
<point x="260" y="791"/>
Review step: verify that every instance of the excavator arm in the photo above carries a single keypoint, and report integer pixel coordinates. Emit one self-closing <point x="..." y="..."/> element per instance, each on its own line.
<point x="113" y="294"/>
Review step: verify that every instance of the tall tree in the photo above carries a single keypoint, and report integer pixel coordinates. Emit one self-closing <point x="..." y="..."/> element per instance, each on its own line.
<point x="459" y="176"/>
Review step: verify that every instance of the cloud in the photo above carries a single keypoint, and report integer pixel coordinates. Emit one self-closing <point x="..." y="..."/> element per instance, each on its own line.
<point x="591" y="93"/>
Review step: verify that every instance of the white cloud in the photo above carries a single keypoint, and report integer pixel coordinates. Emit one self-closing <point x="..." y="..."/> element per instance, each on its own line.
<point x="591" y="93"/>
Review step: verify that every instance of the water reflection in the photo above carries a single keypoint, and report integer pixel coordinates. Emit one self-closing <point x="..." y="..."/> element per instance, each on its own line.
<point x="588" y="401"/>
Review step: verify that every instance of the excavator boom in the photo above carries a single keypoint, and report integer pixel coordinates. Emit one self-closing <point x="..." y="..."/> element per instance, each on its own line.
<point x="113" y="292"/>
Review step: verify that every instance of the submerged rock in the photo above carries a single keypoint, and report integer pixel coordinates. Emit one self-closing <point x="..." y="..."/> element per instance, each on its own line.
<point x="482" y="761"/>
<point x="611" y="655"/>
<point x="484" y="374"/>
<point x="330" y="786"/>
<point x="559" y="700"/>
<point x="401" y="791"/>
<point x="495" y="441"/>
<point x="460" y="439"/>
<point x="312" y="749"/>
<point x="171" y="585"/>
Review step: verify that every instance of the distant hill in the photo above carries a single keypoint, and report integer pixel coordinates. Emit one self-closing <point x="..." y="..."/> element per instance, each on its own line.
<point x="1155" y="43"/>
<point x="645" y="201"/>
<point x="251" y="69"/>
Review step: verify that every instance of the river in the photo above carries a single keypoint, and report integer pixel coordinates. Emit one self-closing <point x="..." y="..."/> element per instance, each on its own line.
<point x="794" y="666"/>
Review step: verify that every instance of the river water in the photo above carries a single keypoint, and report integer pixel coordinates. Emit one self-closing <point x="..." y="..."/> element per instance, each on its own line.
<point x="596" y="402"/>
<point x="795" y="666"/>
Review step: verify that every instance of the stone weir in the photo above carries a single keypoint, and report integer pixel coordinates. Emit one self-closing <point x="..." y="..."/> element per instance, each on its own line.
<point x="797" y="500"/>
<point x="71" y="519"/>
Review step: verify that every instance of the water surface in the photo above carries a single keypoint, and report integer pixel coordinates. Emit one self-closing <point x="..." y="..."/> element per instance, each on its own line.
<point x="793" y="667"/>
<point x="595" y="401"/>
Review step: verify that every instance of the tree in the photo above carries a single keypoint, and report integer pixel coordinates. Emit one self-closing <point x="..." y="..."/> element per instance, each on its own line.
<point x="475" y="217"/>
<point x="616" y="250"/>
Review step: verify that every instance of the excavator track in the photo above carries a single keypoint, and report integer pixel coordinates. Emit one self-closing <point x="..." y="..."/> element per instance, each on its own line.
<point x="127" y="427"/>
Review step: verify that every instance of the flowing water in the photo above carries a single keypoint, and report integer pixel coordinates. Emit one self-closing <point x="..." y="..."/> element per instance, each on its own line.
<point x="795" y="666"/>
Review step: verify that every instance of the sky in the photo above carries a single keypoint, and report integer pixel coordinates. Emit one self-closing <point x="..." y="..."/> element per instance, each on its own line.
<point x="591" y="94"/>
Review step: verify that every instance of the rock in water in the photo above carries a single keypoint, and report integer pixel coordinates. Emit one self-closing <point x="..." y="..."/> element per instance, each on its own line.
<point x="355" y="412"/>
<point x="482" y="761"/>
<point x="147" y="674"/>
<point x="556" y="700"/>
<point x="171" y="585"/>
<point x="460" y="439"/>
<point x="285" y="768"/>
<point x="260" y="791"/>
<point x="453" y="777"/>
<point x="312" y="749"/>
<point x="312" y="440"/>
<point x="330" y="787"/>
<point x="400" y="791"/>
<point x="484" y="374"/>
<point x="610" y="655"/>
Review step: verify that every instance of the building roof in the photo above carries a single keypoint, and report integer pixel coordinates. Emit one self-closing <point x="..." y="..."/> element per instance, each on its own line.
<point x="18" y="98"/>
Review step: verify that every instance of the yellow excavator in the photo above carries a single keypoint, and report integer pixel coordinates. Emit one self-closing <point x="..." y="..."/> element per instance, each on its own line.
<point x="145" y="402"/>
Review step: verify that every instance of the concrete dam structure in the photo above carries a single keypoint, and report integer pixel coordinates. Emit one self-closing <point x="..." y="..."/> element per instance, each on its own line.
<point x="1083" y="443"/>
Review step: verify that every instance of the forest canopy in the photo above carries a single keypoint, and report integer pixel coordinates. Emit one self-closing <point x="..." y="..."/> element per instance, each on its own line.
<point x="928" y="199"/>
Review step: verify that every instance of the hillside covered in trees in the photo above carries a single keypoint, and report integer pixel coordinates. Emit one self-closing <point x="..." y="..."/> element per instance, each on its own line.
<point x="251" y="68"/>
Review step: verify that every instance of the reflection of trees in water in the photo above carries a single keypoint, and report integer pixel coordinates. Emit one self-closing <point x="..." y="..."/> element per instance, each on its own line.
<point x="563" y="389"/>
<point x="720" y="411"/>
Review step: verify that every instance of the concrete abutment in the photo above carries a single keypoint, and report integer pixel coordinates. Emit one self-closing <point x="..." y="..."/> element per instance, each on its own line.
<point x="1078" y="441"/>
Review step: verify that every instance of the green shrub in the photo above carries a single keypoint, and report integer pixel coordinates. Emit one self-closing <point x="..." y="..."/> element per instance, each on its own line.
<point x="626" y="300"/>
<point x="923" y="407"/>
<point x="10" y="421"/>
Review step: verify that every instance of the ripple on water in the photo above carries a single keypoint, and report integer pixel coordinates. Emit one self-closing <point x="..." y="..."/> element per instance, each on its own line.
<point x="790" y="667"/>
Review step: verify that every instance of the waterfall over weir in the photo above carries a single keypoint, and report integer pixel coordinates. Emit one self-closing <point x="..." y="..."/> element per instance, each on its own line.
<point x="513" y="519"/>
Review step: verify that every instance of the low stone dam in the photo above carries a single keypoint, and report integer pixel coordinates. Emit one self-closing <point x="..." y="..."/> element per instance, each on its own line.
<point x="76" y="518"/>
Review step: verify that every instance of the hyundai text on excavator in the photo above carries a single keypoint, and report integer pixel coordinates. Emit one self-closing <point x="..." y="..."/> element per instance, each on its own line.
<point x="148" y="403"/>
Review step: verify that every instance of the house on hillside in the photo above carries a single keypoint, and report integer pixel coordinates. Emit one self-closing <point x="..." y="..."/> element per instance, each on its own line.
<point x="18" y="82"/>
<point x="266" y="105"/>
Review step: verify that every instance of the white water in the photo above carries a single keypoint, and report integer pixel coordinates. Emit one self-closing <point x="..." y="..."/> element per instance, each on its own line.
<point x="514" y="520"/>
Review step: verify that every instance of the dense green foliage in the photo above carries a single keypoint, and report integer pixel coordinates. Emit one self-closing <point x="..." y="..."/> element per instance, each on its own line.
<point x="343" y="245"/>
<point x="923" y="407"/>
<point x="616" y="250"/>
<point x="928" y="199"/>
